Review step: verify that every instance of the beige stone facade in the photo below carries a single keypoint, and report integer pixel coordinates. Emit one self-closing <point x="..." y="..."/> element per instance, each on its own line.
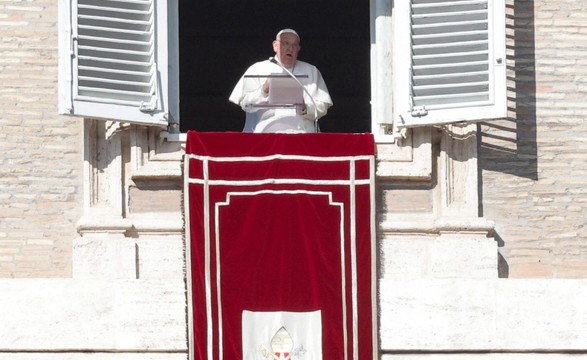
<point x="533" y="166"/>
<point x="41" y="161"/>
<point x="481" y="227"/>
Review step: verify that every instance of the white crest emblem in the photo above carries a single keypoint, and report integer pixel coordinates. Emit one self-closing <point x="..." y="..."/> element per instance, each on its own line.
<point x="282" y="347"/>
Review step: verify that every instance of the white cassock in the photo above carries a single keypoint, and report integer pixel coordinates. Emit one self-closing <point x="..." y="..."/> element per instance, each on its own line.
<point x="249" y="91"/>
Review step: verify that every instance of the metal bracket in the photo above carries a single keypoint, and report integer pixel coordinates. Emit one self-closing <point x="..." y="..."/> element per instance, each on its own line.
<point x="150" y="106"/>
<point x="419" y="111"/>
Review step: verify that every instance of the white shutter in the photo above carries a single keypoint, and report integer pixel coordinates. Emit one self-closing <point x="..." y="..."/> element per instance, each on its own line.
<point x="453" y="66"/>
<point x="118" y="64"/>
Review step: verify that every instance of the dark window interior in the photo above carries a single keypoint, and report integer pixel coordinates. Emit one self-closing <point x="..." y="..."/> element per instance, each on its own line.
<point x="219" y="39"/>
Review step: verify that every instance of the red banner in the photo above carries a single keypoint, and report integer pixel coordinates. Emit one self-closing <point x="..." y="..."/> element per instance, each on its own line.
<point x="281" y="246"/>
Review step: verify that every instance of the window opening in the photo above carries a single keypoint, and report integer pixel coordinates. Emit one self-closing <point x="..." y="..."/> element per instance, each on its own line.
<point x="220" y="39"/>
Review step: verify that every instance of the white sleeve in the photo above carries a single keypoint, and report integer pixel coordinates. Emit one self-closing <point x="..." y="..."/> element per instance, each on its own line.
<point x="320" y="94"/>
<point x="249" y="90"/>
<point x="256" y="96"/>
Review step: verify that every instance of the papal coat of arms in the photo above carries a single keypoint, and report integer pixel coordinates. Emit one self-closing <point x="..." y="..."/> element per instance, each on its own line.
<point x="282" y="347"/>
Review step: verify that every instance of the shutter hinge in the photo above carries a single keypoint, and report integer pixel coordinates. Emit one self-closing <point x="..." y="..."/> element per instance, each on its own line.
<point x="150" y="106"/>
<point x="419" y="111"/>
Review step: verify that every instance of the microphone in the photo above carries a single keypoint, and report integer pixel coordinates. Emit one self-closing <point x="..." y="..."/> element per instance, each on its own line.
<point x="274" y="60"/>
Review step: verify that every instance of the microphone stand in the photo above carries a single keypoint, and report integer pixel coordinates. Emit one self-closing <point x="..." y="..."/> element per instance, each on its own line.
<point x="274" y="60"/>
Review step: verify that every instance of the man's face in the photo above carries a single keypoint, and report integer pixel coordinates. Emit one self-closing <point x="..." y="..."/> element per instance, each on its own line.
<point x="287" y="49"/>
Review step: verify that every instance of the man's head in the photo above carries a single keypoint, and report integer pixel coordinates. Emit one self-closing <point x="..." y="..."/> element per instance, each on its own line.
<point x="287" y="46"/>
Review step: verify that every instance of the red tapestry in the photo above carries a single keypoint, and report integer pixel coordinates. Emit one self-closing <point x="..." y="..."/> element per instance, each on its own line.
<point x="281" y="235"/>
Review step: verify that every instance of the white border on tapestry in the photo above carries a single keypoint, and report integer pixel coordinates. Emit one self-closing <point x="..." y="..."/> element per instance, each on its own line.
<point x="280" y="192"/>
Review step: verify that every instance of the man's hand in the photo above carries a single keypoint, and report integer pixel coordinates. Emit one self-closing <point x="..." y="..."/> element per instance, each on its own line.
<point x="301" y="109"/>
<point x="266" y="87"/>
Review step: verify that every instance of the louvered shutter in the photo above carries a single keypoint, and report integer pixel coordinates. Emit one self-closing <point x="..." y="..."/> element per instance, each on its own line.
<point x="455" y="67"/>
<point x="119" y="62"/>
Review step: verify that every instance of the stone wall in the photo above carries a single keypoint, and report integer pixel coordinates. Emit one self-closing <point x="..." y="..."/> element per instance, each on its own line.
<point x="93" y="319"/>
<point x="40" y="152"/>
<point x="534" y="165"/>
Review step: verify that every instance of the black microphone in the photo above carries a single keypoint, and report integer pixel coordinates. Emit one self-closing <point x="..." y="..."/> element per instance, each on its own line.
<point x="274" y="60"/>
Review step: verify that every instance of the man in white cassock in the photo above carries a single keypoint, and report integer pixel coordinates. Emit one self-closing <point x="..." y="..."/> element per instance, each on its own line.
<point x="253" y="91"/>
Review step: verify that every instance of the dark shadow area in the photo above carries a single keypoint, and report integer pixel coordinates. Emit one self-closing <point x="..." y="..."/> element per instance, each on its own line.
<point x="220" y="39"/>
<point x="503" y="268"/>
<point x="509" y="146"/>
